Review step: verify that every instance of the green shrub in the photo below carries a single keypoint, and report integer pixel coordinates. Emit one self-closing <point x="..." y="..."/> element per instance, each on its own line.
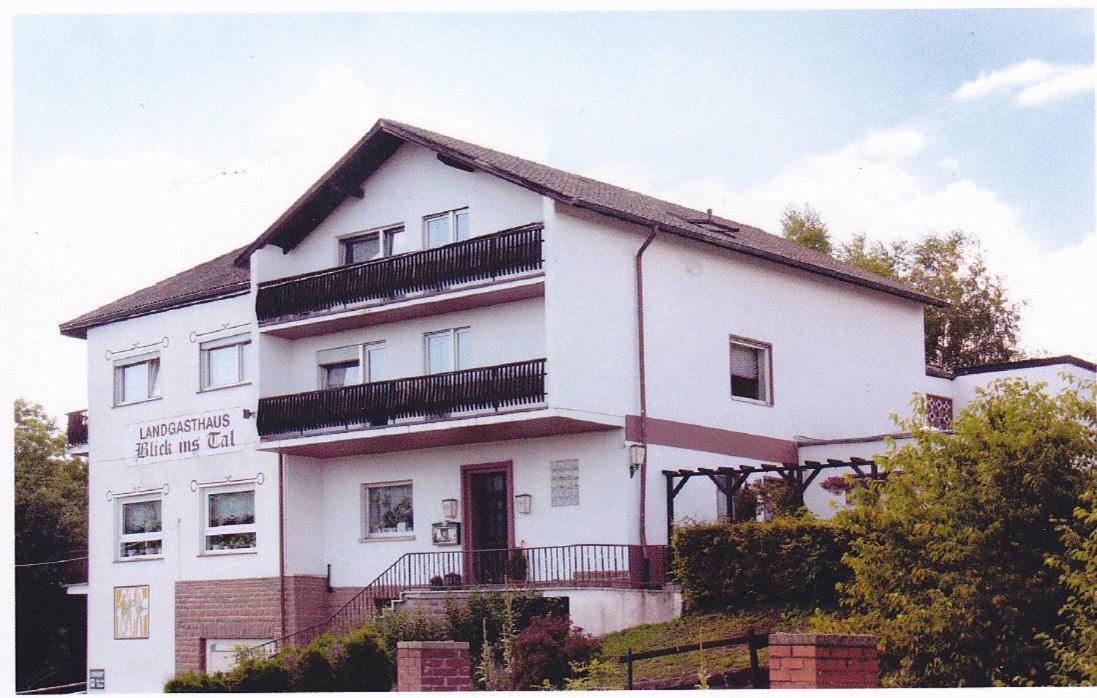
<point x="738" y="565"/>
<point x="746" y="504"/>
<point x="399" y="625"/>
<point x="546" y="652"/>
<point x="313" y="671"/>
<point x="260" y="675"/>
<point x="196" y="682"/>
<point x="361" y="663"/>
<point x="465" y="621"/>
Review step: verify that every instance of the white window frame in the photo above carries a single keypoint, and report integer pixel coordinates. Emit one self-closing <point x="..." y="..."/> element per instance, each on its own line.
<point x="385" y="234"/>
<point x="249" y="643"/>
<point x="122" y="538"/>
<point x="366" y="535"/>
<point x="207" y="530"/>
<point x="452" y="218"/>
<point x="365" y="366"/>
<point x="765" y="366"/>
<point x="455" y="344"/>
<point x="242" y="368"/>
<point x="153" y="379"/>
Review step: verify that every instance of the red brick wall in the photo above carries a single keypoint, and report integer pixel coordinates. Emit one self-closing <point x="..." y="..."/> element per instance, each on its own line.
<point x="241" y="609"/>
<point x="433" y="666"/>
<point x="823" y="661"/>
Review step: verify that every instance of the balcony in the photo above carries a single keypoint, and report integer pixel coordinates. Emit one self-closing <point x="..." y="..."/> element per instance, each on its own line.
<point x="486" y="269"/>
<point x="492" y="403"/>
<point x="77" y="432"/>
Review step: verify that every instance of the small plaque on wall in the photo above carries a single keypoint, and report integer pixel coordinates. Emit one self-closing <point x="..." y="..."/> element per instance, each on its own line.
<point x="565" y="483"/>
<point x="445" y="533"/>
<point x="97" y="679"/>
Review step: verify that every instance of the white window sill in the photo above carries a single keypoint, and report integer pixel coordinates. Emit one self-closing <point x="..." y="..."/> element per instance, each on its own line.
<point x="387" y="538"/>
<point x="236" y="551"/>
<point x="139" y="402"/>
<point x="215" y="388"/>
<point x="752" y="401"/>
<point x="139" y="558"/>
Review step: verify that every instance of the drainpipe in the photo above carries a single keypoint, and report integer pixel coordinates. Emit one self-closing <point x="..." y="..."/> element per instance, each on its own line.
<point x="643" y="385"/>
<point x="282" y="540"/>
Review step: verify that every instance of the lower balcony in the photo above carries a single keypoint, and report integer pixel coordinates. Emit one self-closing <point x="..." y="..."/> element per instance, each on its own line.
<point x="490" y="403"/>
<point x="77" y="433"/>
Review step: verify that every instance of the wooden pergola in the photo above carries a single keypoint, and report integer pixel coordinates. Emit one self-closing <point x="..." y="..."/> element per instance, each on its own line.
<point x="730" y="479"/>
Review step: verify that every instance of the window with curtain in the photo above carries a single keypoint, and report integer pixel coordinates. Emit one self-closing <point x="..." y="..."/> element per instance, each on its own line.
<point x="141" y="533"/>
<point x="387" y="510"/>
<point x="230" y="520"/>
<point x="750" y="371"/>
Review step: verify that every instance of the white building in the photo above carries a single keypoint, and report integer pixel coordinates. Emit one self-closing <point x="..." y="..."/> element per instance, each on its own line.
<point x="441" y="349"/>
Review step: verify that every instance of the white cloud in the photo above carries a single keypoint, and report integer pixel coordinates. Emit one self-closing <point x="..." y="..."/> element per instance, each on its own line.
<point x="1032" y="82"/>
<point x="950" y="165"/>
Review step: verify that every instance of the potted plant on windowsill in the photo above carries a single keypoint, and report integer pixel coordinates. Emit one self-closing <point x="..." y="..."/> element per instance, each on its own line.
<point x="436" y="583"/>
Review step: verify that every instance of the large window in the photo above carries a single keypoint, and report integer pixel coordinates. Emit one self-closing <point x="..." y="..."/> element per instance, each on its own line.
<point x="444" y="228"/>
<point x="750" y="371"/>
<point x="358" y="363"/>
<point x="448" y="350"/>
<point x="372" y="245"/>
<point x="387" y="510"/>
<point x="225" y="362"/>
<point x="229" y="519"/>
<point x="136" y="379"/>
<point x="140" y="528"/>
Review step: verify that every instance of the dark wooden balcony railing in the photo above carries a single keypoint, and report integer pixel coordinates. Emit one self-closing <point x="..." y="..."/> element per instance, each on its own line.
<point x="77" y="430"/>
<point x="486" y="257"/>
<point x="376" y="404"/>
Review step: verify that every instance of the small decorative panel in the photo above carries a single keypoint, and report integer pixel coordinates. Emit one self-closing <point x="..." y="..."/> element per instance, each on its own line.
<point x="938" y="411"/>
<point x="131" y="613"/>
<point x="565" y="483"/>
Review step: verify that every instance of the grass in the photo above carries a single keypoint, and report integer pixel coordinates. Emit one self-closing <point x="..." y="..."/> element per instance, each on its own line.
<point x="693" y="629"/>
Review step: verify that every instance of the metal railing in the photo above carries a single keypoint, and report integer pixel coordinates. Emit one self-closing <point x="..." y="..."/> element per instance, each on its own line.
<point x="507" y="252"/>
<point x="752" y="639"/>
<point x="586" y="565"/>
<point x="77" y="428"/>
<point x="377" y="404"/>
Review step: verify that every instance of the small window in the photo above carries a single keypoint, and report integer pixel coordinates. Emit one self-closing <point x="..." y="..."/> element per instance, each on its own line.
<point x="221" y="655"/>
<point x="225" y="362"/>
<point x="387" y="510"/>
<point x="938" y="412"/>
<point x="140" y="533"/>
<point x="448" y="350"/>
<point x="136" y="379"/>
<point x="229" y="520"/>
<point x="368" y="246"/>
<point x="348" y="365"/>
<point x="444" y="228"/>
<point x="750" y="371"/>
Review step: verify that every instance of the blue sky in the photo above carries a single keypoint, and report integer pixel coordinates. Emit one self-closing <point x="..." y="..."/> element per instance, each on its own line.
<point x="202" y="127"/>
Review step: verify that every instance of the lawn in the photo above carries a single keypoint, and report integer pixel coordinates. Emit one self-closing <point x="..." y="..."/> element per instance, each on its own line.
<point x="693" y="629"/>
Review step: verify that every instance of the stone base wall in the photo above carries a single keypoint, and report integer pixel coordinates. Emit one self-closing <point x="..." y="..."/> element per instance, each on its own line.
<point x="433" y="666"/>
<point x="823" y="661"/>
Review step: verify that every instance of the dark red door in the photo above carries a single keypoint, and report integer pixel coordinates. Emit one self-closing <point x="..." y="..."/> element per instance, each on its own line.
<point x="490" y="525"/>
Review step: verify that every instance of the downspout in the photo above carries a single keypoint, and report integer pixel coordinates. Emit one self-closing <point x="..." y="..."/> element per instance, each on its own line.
<point x="643" y="386"/>
<point x="282" y="540"/>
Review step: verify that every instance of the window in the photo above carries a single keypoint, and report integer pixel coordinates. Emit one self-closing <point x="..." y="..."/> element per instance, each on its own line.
<point x="348" y="365"/>
<point x="444" y="228"/>
<point x="221" y="654"/>
<point x="225" y="361"/>
<point x="938" y="411"/>
<point x="140" y="528"/>
<point x="387" y="510"/>
<point x="750" y="371"/>
<point x="136" y="379"/>
<point x="371" y="245"/>
<point x="448" y="350"/>
<point x="229" y="520"/>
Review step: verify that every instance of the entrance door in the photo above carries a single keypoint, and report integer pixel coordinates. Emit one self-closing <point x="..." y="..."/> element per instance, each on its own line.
<point x="489" y="521"/>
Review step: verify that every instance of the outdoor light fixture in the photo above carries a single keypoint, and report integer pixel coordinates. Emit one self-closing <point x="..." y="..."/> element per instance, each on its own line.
<point x="637" y="454"/>
<point x="449" y="508"/>
<point x="523" y="503"/>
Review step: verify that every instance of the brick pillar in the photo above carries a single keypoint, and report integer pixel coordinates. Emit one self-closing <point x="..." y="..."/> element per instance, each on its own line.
<point x="433" y="666"/>
<point x="823" y="661"/>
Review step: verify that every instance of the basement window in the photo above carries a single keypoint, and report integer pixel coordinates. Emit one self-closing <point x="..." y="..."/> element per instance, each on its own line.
<point x="751" y="371"/>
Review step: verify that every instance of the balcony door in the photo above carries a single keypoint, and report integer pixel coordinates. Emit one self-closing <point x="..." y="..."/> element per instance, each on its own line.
<point x="489" y="520"/>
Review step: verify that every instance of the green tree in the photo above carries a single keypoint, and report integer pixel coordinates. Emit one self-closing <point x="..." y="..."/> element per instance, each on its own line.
<point x="50" y="524"/>
<point x="948" y="558"/>
<point x="806" y="227"/>
<point x="875" y="257"/>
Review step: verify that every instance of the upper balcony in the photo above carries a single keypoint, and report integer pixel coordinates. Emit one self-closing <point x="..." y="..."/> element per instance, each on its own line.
<point x="77" y="433"/>
<point x="497" y="268"/>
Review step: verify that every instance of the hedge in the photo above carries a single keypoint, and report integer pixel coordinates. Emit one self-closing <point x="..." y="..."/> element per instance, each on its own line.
<point x="731" y="566"/>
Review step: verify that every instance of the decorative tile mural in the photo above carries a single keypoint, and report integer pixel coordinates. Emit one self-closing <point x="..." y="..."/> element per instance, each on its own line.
<point x="565" y="483"/>
<point x="131" y="612"/>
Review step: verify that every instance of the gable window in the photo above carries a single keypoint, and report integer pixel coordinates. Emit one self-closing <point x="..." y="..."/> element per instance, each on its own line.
<point x="444" y="228"/>
<point x="229" y="519"/>
<point x="448" y="350"/>
<point x="140" y="528"/>
<point x="372" y="245"/>
<point x="351" y="365"/>
<point x="938" y="411"/>
<point x="387" y="510"/>
<point x="225" y="361"/>
<point x="751" y="364"/>
<point x="136" y="379"/>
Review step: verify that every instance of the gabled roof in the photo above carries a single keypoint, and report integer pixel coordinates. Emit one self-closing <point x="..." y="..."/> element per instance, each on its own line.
<point x="348" y="174"/>
<point x="227" y="275"/>
<point x="212" y="280"/>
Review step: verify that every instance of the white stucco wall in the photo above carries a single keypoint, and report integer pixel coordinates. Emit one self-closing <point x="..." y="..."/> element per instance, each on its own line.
<point x="965" y="387"/>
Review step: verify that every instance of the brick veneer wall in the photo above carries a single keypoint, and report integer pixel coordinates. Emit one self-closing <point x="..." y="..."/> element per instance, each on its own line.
<point x="823" y="661"/>
<point x="433" y="666"/>
<point x="241" y="609"/>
